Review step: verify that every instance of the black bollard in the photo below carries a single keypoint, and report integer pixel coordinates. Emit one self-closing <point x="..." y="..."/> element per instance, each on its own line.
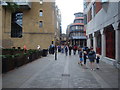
<point x="55" y="53"/>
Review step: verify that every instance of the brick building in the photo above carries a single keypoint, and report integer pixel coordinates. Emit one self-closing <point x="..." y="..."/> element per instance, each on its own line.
<point x="34" y="23"/>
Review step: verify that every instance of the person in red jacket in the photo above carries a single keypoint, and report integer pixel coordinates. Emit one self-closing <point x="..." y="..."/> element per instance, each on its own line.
<point x="25" y="48"/>
<point x="74" y="49"/>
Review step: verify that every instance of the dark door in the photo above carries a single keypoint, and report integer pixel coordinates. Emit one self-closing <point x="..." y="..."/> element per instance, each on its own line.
<point x="110" y="43"/>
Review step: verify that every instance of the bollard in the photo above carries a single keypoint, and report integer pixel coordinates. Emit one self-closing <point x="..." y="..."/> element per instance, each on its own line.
<point x="55" y="53"/>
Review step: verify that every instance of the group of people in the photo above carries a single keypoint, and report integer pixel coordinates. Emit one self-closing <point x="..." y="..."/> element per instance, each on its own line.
<point x="91" y="55"/>
<point x="67" y="48"/>
<point x="84" y="54"/>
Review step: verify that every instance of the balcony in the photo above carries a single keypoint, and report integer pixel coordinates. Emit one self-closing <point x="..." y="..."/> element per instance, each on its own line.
<point x="24" y="4"/>
<point x="3" y="3"/>
<point x="78" y="24"/>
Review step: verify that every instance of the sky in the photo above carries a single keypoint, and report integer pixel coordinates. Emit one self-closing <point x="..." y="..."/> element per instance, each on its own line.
<point x="68" y="8"/>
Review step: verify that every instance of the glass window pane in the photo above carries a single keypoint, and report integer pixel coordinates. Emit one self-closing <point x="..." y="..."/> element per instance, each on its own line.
<point x="40" y="24"/>
<point x="41" y="13"/>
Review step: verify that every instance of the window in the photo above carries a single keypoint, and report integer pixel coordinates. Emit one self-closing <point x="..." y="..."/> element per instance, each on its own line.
<point x="76" y="27"/>
<point x="98" y="7"/>
<point x="0" y="2"/>
<point x="16" y="25"/>
<point x="41" y="1"/>
<point x="89" y="15"/>
<point x="41" y="24"/>
<point x="85" y="5"/>
<point x="104" y="1"/>
<point x="78" y="21"/>
<point x="73" y="28"/>
<point x="85" y="19"/>
<point x="81" y="20"/>
<point x="94" y="9"/>
<point x="79" y="15"/>
<point x="41" y="13"/>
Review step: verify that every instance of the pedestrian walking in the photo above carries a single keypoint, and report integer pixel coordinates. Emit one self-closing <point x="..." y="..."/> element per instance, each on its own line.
<point x="78" y="48"/>
<point x="59" y="48"/>
<point x="66" y="50"/>
<point x="51" y="48"/>
<point x="80" y="56"/>
<point x="87" y="50"/>
<point x="97" y="60"/>
<point x="92" y="57"/>
<point x="74" y="49"/>
<point x="62" y="49"/>
<point x="70" y="48"/>
<point x="38" y="47"/>
<point x="25" y="48"/>
<point x="84" y="58"/>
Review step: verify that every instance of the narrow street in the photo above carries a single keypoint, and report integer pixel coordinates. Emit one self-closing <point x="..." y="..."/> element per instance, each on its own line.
<point x="65" y="72"/>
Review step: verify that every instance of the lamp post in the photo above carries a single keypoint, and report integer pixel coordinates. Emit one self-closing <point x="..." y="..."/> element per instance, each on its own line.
<point x="55" y="48"/>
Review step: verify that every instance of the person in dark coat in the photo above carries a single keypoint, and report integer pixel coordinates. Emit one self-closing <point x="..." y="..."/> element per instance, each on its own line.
<point x="70" y="48"/>
<point x="66" y="50"/>
<point x="52" y="49"/>
<point x="92" y="57"/>
<point x="59" y="48"/>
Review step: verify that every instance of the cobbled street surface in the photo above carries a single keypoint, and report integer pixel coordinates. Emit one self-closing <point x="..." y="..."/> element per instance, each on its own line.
<point x="65" y="72"/>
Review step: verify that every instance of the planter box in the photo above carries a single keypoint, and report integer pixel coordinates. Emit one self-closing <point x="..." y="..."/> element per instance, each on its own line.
<point x="19" y="61"/>
<point x="7" y="64"/>
<point x="13" y="58"/>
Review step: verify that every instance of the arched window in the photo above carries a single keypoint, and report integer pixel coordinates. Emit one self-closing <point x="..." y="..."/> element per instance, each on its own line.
<point x="41" y="24"/>
<point x="41" y="13"/>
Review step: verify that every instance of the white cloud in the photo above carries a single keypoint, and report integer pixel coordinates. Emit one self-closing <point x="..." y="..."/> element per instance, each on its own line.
<point x="68" y="8"/>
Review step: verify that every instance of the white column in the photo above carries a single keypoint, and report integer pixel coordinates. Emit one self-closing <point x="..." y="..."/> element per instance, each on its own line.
<point x="94" y="42"/>
<point x="88" y="42"/>
<point x="103" y="43"/>
<point x="117" y="41"/>
<point x="117" y="37"/>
